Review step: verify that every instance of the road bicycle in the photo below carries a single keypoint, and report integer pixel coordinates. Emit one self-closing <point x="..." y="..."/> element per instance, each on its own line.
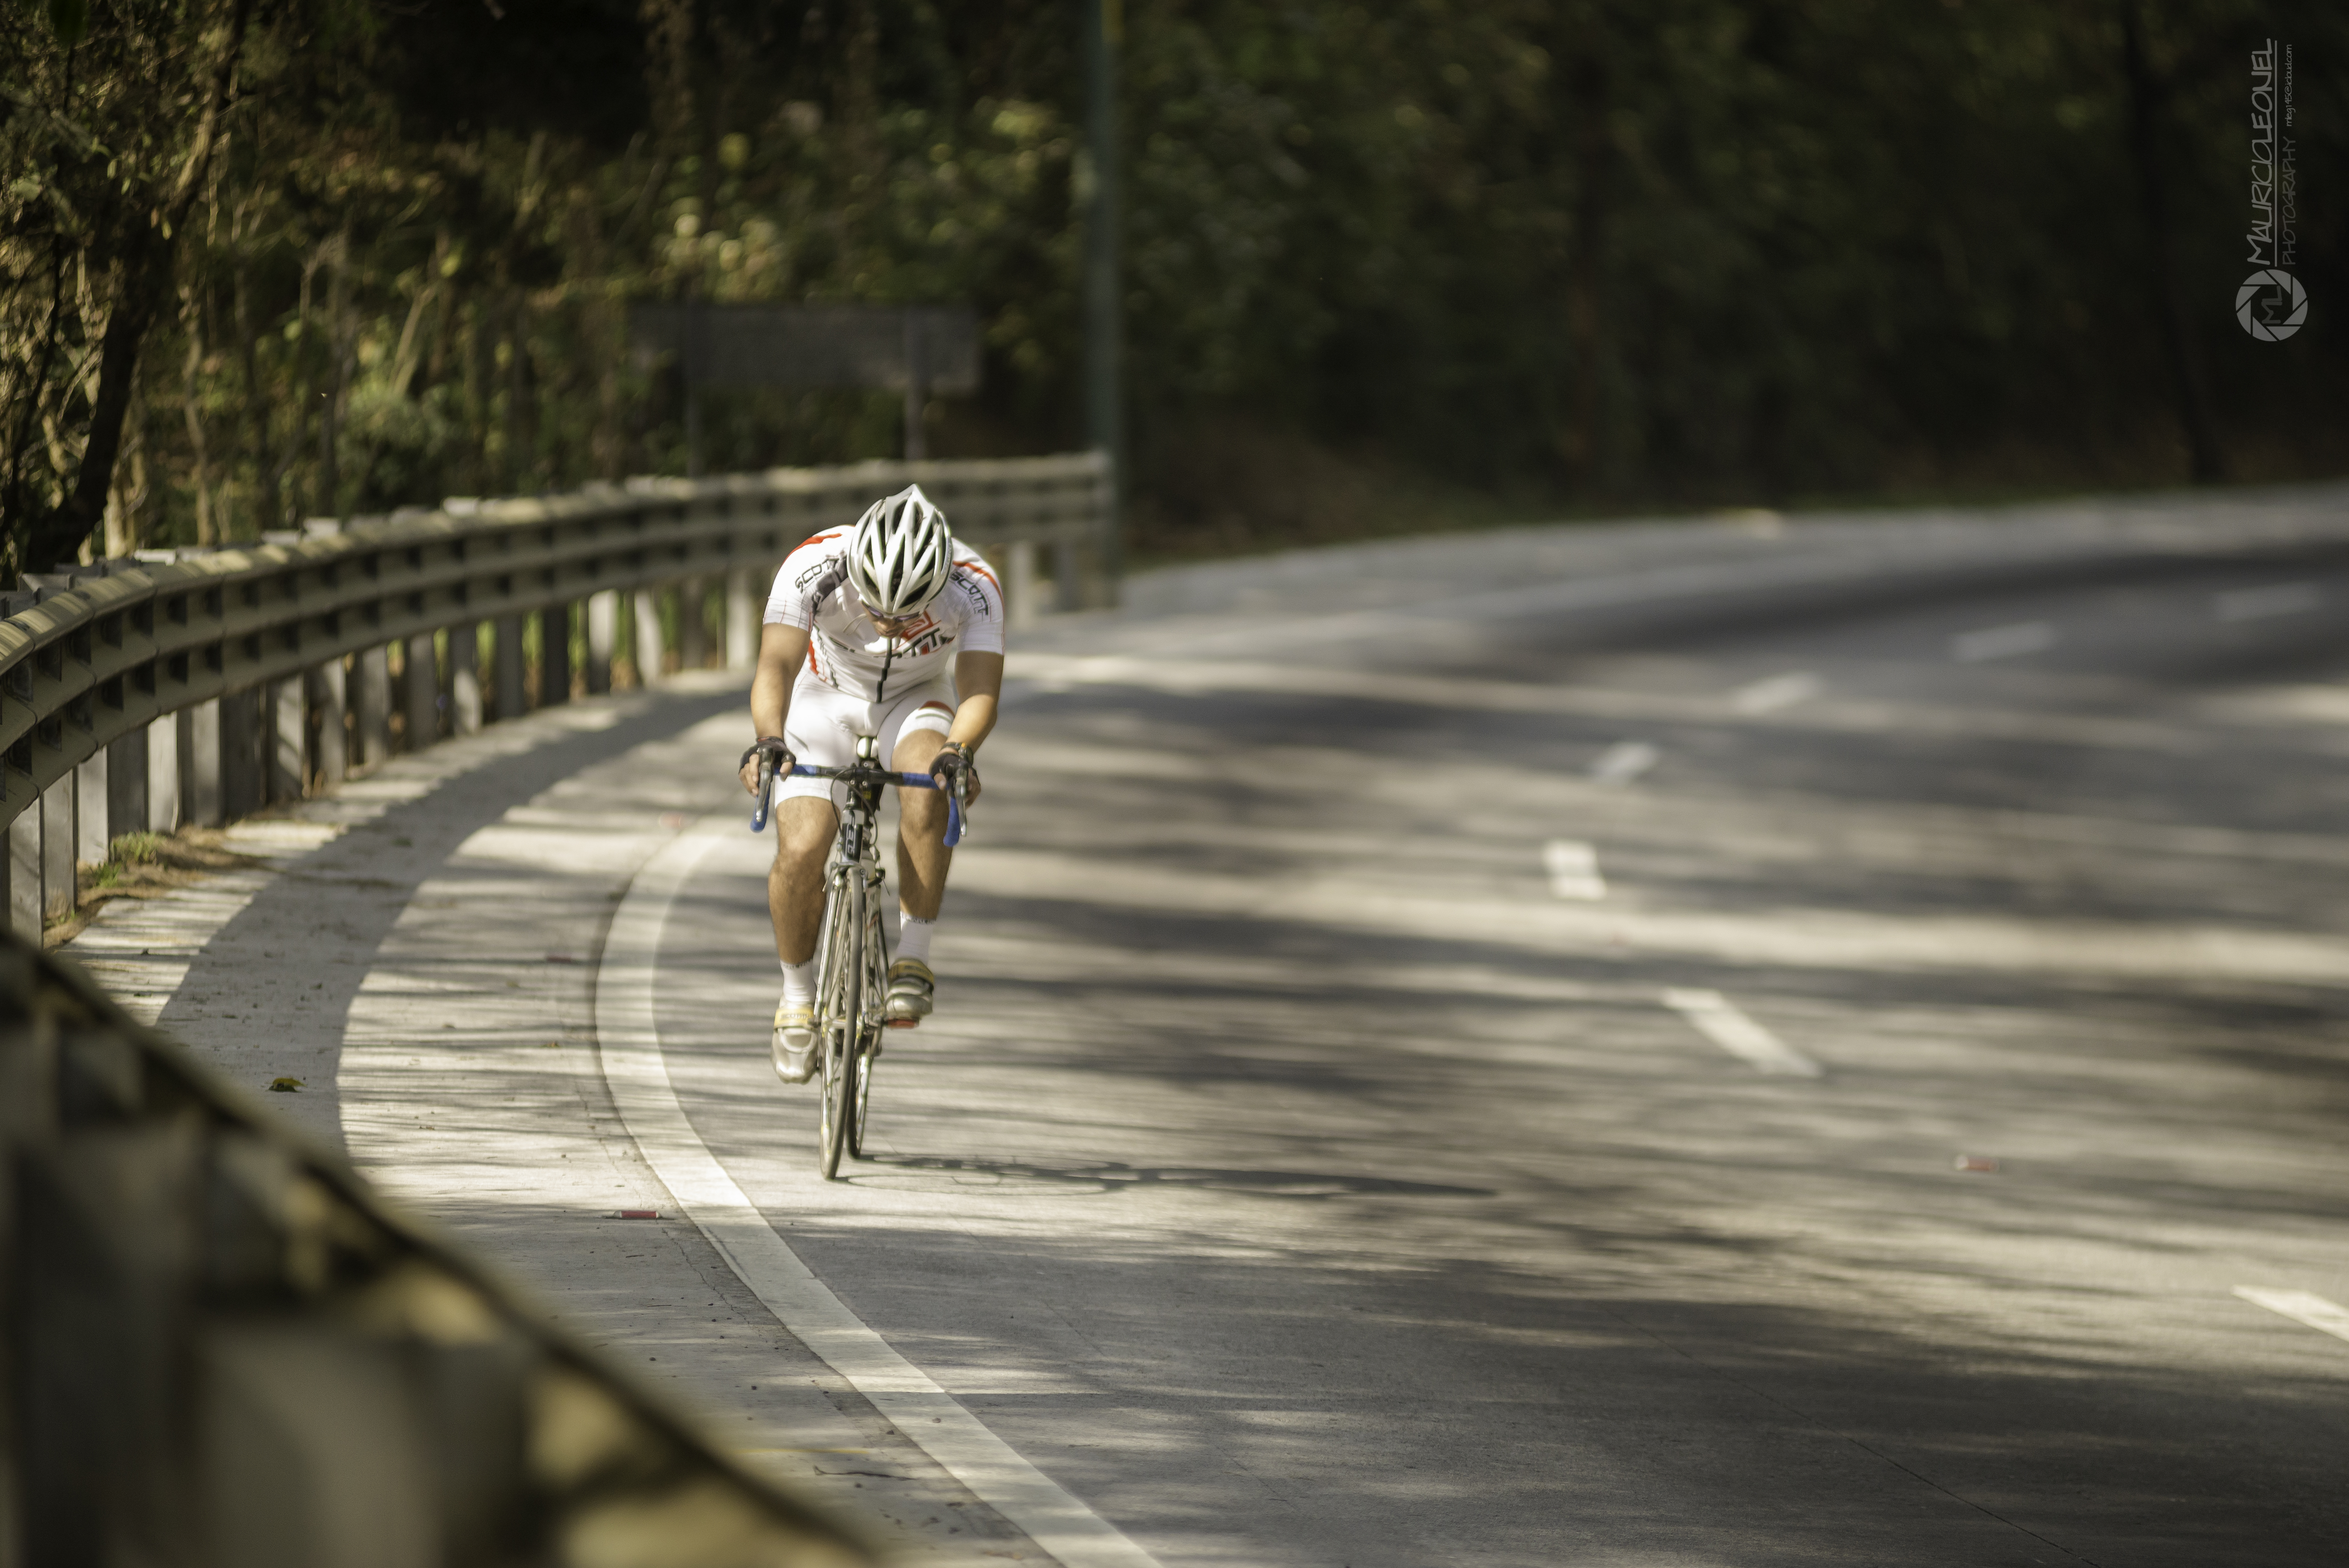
<point x="853" y="949"/>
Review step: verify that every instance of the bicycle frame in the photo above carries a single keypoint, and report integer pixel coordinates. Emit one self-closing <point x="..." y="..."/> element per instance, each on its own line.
<point x="852" y="946"/>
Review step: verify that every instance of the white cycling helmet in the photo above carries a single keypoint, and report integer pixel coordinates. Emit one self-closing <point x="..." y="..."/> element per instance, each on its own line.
<point x="901" y="554"/>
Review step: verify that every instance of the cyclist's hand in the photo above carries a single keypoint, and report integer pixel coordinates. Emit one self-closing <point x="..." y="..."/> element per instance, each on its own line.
<point x="765" y="746"/>
<point x="957" y="772"/>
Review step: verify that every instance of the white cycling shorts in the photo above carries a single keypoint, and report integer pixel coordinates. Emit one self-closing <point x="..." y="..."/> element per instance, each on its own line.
<point x="824" y="723"/>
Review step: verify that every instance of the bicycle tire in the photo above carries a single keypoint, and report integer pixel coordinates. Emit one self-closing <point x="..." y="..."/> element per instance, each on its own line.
<point x="876" y="970"/>
<point x="842" y="992"/>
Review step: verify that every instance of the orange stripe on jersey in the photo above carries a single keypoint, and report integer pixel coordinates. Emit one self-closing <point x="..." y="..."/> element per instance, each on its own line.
<point x="816" y="539"/>
<point x="983" y="572"/>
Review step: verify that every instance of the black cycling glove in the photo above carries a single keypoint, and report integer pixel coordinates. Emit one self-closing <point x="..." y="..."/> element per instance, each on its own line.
<point x="956" y="770"/>
<point x="770" y="746"/>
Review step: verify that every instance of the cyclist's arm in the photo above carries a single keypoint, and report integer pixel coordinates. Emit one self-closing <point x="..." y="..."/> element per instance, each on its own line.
<point x="979" y="685"/>
<point x="782" y="650"/>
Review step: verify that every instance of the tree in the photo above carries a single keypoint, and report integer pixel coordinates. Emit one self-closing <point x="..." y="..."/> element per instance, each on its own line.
<point x="115" y="129"/>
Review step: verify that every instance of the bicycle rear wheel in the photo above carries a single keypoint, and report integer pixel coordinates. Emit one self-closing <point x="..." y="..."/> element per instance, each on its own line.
<point x="841" y="1021"/>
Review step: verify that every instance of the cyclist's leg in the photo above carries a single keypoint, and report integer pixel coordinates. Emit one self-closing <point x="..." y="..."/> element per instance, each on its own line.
<point x="805" y="820"/>
<point x="922" y="853"/>
<point x="914" y="734"/>
<point x="821" y="732"/>
<point x="804" y="826"/>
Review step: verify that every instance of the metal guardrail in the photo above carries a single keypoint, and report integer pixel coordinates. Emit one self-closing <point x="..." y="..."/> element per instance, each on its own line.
<point x="220" y="1350"/>
<point x="139" y="695"/>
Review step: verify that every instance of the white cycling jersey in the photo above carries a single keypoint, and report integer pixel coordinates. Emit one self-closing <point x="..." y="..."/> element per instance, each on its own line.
<point x="848" y="653"/>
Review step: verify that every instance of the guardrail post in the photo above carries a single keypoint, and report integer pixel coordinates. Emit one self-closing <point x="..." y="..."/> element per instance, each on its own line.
<point x="57" y="849"/>
<point x="602" y="632"/>
<point x="90" y="808"/>
<point x="1068" y="589"/>
<point x="163" y="774"/>
<point x="650" y="651"/>
<point x="372" y="703"/>
<point x="288" y="726"/>
<point x="241" y="775"/>
<point x="126" y="786"/>
<point x="742" y="620"/>
<point x="200" y="764"/>
<point x="421" y="676"/>
<point x="692" y="630"/>
<point x="25" y="874"/>
<point x="553" y="655"/>
<point x="465" y="677"/>
<point x="328" y="687"/>
<point x="505" y="651"/>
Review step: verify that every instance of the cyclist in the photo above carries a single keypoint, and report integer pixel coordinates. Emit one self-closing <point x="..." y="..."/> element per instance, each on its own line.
<point x="892" y="629"/>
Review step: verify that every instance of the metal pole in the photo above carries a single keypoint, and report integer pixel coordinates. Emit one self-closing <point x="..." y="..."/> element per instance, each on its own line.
<point x="1104" y="314"/>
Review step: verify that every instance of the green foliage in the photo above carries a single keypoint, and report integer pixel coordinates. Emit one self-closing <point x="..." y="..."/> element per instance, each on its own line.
<point x="1588" y="248"/>
<point x="134" y="848"/>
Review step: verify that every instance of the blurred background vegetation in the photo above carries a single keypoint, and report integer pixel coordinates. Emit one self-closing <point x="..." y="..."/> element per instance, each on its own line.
<point x="1386" y="265"/>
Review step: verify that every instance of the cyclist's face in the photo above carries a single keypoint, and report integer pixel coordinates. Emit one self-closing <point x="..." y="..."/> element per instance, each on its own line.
<point x="895" y="625"/>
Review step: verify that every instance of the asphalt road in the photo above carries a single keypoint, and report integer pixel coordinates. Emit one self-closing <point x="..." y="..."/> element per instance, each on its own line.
<point x="1647" y="1048"/>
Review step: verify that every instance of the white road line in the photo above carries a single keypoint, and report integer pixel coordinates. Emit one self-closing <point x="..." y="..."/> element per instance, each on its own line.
<point x="1779" y="691"/>
<point x="1573" y="867"/>
<point x="1718" y="1020"/>
<point x="2003" y="642"/>
<point x="629" y="1041"/>
<point x="2302" y="1307"/>
<point x="2276" y="598"/>
<point x="1623" y="762"/>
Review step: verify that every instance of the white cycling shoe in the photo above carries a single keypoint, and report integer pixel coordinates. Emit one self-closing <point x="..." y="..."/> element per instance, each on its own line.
<point x="911" y="984"/>
<point x="793" y="1046"/>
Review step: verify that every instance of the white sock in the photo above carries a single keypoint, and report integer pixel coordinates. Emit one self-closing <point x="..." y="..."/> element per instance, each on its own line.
<point x="914" y="937"/>
<point x="799" y="985"/>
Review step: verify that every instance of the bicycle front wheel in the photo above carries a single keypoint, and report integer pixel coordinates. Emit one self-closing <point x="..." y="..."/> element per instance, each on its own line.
<point x="870" y="1022"/>
<point x="841" y="1020"/>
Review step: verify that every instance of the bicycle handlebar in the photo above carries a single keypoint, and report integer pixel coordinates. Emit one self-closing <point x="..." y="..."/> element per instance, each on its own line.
<point x="766" y="792"/>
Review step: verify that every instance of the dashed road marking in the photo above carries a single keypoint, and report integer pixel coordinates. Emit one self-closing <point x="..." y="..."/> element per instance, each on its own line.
<point x="2275" y="599"/>
<point x="2302" y="1307"/>
<point x="2003" y="642"/>
<point x="1779" y="691"/>
<point x="1623" y="762"/>
<point x="1719" y="1019"/>
<point x="1573" y="867"/>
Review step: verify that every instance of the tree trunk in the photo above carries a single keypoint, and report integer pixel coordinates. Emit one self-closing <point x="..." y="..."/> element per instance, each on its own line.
<point x="143" y="281"/>
<point x="56" y="538"/>
<point x="207" y="526"/>
<point x="268" y="472"/>
<point x="328" y="501"/>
